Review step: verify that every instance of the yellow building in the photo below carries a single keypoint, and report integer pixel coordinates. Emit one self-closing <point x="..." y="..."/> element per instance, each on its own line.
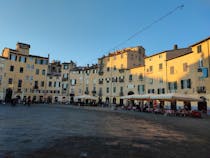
<point x="121" y="73"/>
<point x="3" y="62"/>
<point x="65" y="74"/>
<point x="83" y="81"/>
<point x="112" y="72"/>
<point x="25" y="73"/>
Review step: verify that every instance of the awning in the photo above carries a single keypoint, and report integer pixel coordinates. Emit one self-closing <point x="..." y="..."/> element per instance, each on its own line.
<point x="137" y="97"/>
<point x="175" y="97"/>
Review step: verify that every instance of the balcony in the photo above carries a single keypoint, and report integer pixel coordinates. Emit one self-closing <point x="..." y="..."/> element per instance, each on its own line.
<point x="114" y="80"/>
<point x="100" y="73"/>
<point x="201" y="89"/>
<point x="19" y="90"/>
<point x="64" y="91"/>
<point x="94" y="92"/>
<point x="121" y="80"/>
<point x="121" y="70"/>
<point x="65" y="79"/>
<point x="87" y="92"/>
<point x="100" y="82"/>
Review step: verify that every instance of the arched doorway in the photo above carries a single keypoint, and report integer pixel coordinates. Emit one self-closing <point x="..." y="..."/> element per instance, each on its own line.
<point x="107" y="100"/>
<point x="130" y="93"/>
<point x="49" y="99"/>
<point x="71" y="98"/>
<point x="114" y="100"/>
<point x="8" y="96"/>
<point x="99" y="100"/>
<point x="131" y="101"/>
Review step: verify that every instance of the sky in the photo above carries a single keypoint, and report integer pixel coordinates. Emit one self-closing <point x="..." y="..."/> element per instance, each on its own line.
<point x="85" y="30"/>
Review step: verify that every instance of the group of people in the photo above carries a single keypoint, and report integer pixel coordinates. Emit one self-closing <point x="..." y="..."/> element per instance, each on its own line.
<point x="26" y="101"/>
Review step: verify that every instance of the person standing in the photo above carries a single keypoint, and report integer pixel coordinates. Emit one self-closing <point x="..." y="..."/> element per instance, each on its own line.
<point x="29" y="101"/>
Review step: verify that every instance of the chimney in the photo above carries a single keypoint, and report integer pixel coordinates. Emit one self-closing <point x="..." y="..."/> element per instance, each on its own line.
<point x="175" y="47"/>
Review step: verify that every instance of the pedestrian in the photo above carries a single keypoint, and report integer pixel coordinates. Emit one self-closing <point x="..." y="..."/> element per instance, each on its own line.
<point x="29" y="101"/>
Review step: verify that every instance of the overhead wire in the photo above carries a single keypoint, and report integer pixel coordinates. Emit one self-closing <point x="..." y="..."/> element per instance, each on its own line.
<point x="147" y="27"/>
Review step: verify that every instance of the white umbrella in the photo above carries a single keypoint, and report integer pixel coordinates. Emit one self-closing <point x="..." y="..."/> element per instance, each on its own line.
<point x="175" y="96"/>
<point x="85" y="97"/>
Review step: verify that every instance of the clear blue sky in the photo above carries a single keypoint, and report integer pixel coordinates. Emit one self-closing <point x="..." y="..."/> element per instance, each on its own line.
<point x="84" y="30"/>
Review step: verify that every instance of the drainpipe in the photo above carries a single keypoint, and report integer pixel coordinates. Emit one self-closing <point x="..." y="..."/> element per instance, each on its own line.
<point x="208" y="54"/>
<point x="166" y="77"/>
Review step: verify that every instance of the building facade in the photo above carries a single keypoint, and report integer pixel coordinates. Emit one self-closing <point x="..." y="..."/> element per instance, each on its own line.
<point x="26" y="74"/>
<point x="124" y="72"/>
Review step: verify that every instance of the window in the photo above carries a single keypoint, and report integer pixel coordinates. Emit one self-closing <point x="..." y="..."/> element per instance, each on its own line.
<point x="0" y="79"/>
<point x="10" y="81"/>
<point x="21" y="69"/>
<point x="185" y="83"/>
<point x="114" y="89"/>
<point x="141" y="78"/>
<point x="141" y="89"/>
<point x="107" y="90"/>
<point x="13" y="57"/>
<point x="160" y="66"/>
<point x="43" y="72"/>
<point x="65" y="76"/>
<point x="28" y="67"/>
<point x="121" y="89"/>
<point x="200" y="63"/>
<point x="65" y="67"/>
<point x="31" y="78"/>
<point x="22" y="59"/>
<point x="114" y="67"/>
<point x="185" y="67"/>
<point x="36" y="84"/>
<point x="11" y="68"/>
<point x="171" y="70"/>
<point x="50" y="84"/>
<point x="37" y="71"/>
<point x="107" y="69"/>
<point x="130" y="77"/>
<point x="73" y="82"/>
<point x="199" y="48"/>
<point x="150" y="68"/>
<point x="19" y="83"/>
<point x="172" y="86"/>
<point x="161" y="91"/>
<point x="150" y="81"/>
<point x="42" y="84"/>
<point x="31" y="59"/>
<point x="44" y="62"/>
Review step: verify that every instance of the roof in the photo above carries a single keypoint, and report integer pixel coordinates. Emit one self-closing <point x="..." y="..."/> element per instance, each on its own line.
<point x="3" y="57"/>
<point x="37" y="56"/>
<point x="171" y="54"/>
<point x="83" y="68"/>
<point x="200" y="41"/>
<point x="118" y="52"/>
<point x="174" y="53"/>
